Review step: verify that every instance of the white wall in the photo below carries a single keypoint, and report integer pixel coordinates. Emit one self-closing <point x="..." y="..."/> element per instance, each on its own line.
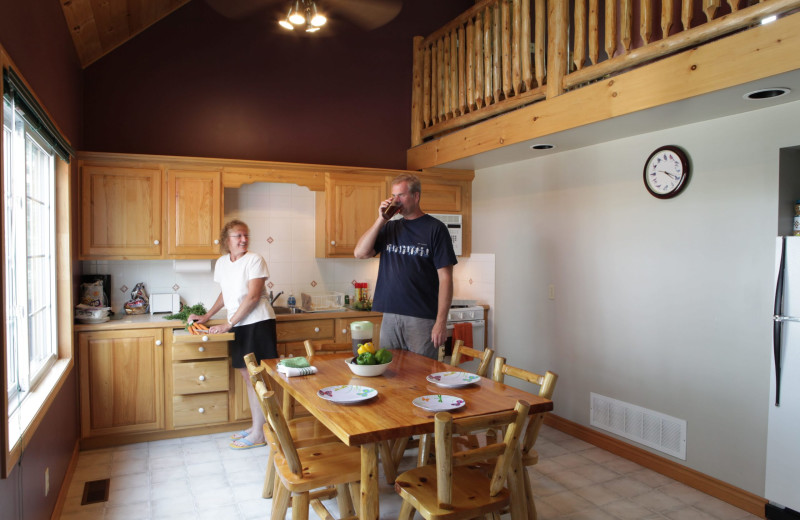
<point x="665" y="304"/>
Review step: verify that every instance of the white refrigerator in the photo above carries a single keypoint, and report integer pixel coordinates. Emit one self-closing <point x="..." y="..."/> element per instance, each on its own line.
<point x="782" y="486"/>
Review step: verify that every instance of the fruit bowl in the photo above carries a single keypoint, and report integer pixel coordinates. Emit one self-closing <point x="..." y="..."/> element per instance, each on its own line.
<point x="366" y="370"/>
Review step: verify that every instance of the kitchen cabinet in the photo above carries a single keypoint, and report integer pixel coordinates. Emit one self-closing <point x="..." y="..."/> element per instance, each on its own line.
<point x="121" y="381"/>
<point x="194" y="213"/>
<point x="343" y="329"/>
<point x="441" y="198"/>
<point x="346" y="209"/>
<point x="120" y="212"/>
<point x="199" y="378"/>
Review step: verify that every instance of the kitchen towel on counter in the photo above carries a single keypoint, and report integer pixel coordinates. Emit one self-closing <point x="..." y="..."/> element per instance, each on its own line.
<point x="463" y="332"/>
<point x="294" y="362"/>
<point x="292" y="372"/>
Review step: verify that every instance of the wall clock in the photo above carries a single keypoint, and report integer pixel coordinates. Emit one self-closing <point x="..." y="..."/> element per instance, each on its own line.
<point x="666" y="172"/>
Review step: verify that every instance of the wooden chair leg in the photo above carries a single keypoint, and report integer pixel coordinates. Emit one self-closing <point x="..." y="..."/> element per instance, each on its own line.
<point x="280" y="500"/>
<point x="355" y="495"/>
<point x="529" y="496"/>
<point x="300" y="505"/>
<point x="406" y="511"/>
<point x="516" y="485"/>
<point x="269" y="477"/>
<point x="425" y="445"/>
<point x="344" y="501"/>
<point x="398" y="448"/>
<point x="387" y="461"/>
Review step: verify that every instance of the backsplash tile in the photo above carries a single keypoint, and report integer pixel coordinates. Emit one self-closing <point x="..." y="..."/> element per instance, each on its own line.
<point x="281" y="218"/>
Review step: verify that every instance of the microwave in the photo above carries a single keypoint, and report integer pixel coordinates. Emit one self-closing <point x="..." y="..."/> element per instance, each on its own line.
<point x="453" y="223"/>
<point x="165" y="302"/>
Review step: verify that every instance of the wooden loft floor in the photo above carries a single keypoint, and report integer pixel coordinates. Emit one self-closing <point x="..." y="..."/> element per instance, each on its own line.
<point x="738" y="59"/>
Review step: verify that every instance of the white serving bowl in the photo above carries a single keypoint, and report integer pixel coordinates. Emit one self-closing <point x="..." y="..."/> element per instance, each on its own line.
<point x="366" y="370"/>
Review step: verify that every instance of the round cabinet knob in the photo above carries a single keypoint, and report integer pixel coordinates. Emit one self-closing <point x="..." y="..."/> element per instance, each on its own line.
<point x="156" y="242"/>
<point x="316" y="329"/>
<point x="216" y="242"/>
<point x="201" y="349"/>
<point x="201" y="410"/>
<point x="205" y="338"/>
<point x="202" y="378"/>
<point x="333" y="242"/>
<point x="158" y="342"/>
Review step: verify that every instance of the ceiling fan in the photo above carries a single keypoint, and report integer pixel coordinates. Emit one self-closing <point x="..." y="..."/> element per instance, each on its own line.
<point x="366" y="14"/>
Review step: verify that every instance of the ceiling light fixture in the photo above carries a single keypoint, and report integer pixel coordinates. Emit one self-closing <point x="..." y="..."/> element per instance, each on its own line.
<point x="303" y="13"/>
<point x="542" y="146"/>
<point x="767" y="93"/>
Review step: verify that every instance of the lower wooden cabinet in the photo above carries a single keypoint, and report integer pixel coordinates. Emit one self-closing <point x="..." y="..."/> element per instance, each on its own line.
<point x="122" y="381"/>
<point x="343" y="329"/>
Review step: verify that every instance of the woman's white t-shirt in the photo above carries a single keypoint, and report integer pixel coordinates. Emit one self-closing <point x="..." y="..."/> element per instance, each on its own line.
<point x="234" y="277"/>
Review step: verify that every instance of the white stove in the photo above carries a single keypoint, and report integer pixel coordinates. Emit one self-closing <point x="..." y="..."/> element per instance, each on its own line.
<point x="467" y="311"/>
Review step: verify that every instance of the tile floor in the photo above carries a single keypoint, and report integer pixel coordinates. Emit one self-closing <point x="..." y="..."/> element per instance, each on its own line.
<point x="200" y="477"/>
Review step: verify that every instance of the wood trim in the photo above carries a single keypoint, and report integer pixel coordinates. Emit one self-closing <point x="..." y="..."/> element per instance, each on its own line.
<point x="709" y="485"/>
<point x="734" y="60"/>
<point x="64" y="490"/>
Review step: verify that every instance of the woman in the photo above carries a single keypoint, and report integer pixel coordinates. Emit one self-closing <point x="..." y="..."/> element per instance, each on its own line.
<point x="241" y="275"/>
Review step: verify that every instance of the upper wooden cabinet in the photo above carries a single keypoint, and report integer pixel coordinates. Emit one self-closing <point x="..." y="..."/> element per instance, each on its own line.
<point x="194" y="213"/>
<point x="120" y="212"/>
<point x="350" y="207"/>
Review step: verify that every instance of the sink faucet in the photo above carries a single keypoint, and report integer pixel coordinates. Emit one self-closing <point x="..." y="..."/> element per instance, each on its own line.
<point x="273" y="299"/>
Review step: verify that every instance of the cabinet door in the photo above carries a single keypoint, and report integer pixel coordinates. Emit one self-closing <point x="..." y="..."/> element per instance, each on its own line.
<point x="122" y="381"/>
<point x="194" y="213"/>
<point x="352" y="203"/>
<point x="120" y="212"/>
<point x="240" y="404"/>
<point x="343" y="329"/>
<point x="441" y="198"/>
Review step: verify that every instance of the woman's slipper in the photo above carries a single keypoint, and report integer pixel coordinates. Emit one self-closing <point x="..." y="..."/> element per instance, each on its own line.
<point x="244" y="444"/>
<point x="239" y="435"/>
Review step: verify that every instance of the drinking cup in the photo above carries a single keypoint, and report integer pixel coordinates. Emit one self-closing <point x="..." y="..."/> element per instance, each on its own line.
<point x="391" y="209"/>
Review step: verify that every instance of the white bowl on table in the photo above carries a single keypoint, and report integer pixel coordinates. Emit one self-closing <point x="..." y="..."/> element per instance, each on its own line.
<point x="366" y="370"/>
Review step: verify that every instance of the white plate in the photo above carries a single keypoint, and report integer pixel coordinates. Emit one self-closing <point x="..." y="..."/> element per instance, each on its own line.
<point x="439" y="403"/>
<point x="346" y="394"/>
<point x="453" y="379"/>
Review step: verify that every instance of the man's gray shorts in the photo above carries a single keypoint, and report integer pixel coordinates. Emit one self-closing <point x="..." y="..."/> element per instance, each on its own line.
<point x="408" y="333"/>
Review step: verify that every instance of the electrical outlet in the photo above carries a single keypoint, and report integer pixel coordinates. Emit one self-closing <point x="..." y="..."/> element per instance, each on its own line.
<point x="46" y="481"/>
<point x="551" y="292"/>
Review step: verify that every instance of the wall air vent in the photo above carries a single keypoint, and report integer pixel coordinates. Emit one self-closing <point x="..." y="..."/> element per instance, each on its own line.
<point x="656" y="430"/>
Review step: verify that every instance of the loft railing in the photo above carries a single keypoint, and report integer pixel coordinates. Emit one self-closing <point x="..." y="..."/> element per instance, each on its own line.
<point x="501" y="54"/>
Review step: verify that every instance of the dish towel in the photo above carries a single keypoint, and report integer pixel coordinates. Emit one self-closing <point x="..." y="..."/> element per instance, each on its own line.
<point x="463" y="332"/>
<point x="294" y="362"/>
<point x="292" y="372"/>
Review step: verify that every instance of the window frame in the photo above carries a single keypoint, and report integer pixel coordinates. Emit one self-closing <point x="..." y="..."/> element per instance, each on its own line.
<point x="19" y="426"/>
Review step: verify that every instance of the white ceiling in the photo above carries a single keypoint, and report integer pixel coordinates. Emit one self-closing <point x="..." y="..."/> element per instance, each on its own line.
<point x="722" y="103"/>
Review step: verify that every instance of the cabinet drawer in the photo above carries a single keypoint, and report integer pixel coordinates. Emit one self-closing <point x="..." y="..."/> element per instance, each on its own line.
<point x="191" y="410"/>
<point x="185" y="351"/>
<point x="303" y="330"/>
<point x="181" y="336"/>
<point x="199" y="377"/>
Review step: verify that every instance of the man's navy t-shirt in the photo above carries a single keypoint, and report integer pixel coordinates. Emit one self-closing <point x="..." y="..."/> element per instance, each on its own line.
<point x="411" y="252"/>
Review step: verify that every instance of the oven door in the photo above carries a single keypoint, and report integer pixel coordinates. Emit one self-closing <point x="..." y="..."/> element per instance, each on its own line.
<point x="478" y="336"/>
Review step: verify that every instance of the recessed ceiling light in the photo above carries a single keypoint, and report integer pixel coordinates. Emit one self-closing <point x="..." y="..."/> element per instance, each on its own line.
<point x="767" y="93"/>
<point x="542" y="146"/>
<point x="769" y="19"/>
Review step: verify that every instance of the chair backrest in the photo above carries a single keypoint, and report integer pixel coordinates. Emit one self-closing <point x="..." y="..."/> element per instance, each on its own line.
<point x="278" y="427"/>
<point x="483" y="356"/>
<point x="502" y="452"/>
<point x="257" y="373"/>
<point x="327" y="348"/>
<point x="547" y="385"/>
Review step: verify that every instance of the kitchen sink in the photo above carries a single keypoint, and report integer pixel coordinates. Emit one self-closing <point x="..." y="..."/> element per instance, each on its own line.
<point x="287" y="310"/>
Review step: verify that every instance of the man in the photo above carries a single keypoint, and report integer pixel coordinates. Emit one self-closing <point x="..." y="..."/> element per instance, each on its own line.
<point x="415" y="275"/>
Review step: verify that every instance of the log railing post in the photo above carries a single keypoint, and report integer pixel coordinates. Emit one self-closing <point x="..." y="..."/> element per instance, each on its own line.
<point x="416" y="93"/>
<point x="558" y="23"/>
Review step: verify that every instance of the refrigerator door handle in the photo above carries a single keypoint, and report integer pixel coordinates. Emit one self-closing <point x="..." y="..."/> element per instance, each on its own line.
<point x="777" y="327"/>
<point x="785" y="318"/>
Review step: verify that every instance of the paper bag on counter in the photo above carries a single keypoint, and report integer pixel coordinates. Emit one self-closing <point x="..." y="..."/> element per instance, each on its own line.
<point x="139" y="303"/>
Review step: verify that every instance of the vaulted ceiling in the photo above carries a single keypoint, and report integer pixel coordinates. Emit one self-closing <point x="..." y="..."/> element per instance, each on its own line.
<point x="99" y="26"/>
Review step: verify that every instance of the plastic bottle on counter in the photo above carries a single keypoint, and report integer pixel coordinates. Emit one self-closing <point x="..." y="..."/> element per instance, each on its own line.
<point x="291" y="302"/>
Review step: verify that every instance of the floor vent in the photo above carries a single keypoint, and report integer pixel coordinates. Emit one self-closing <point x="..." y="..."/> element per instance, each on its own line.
<point x="656" y="430"/>
<point x="95" y="491"/>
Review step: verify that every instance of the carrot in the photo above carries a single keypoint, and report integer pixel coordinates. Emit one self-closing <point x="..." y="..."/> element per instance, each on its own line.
<point x="193" y="330"/>
<point x="200" y="326"/>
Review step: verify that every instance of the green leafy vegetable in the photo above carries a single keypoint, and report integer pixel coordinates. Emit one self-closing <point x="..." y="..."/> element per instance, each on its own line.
<point x="185" y="311"/>
<point x="367" y="358"/>
<point x="383" y="356"/>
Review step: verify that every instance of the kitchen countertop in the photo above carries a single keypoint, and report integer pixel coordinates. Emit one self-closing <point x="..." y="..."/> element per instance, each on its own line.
<point x="157" y="321"/>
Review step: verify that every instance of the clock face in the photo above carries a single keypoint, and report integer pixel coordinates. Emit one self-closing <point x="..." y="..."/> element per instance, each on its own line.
<point x="666" y="171"/>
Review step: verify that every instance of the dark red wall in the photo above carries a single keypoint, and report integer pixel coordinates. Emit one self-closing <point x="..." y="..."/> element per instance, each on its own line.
<point x="199" y="84"/>
<point x="35" y="35"/>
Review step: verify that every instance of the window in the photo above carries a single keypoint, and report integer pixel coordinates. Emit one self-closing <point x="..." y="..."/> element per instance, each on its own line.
<point x="30" y="266"/>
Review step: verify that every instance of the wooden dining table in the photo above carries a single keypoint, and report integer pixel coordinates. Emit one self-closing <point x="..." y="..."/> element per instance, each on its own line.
<point x="390" y="415"/>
